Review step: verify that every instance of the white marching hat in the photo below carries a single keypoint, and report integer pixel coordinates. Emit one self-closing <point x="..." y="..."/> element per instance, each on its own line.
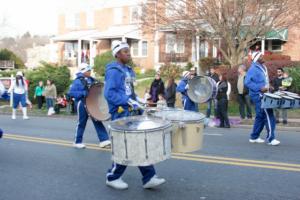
<point x="117" y="46"/>
<point x="185" y="74"/>
<point x="19" y="73"/>
<point x="84" y="67"/>
<point x="256" y="56"/>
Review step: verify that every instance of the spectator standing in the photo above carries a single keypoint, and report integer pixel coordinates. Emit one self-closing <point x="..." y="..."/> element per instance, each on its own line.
<point x="222" y="103"/>
<point x="50" y="95"/>
<point x="38" y="94"/>
<point x="212" y="102"/>
<point x="170" y="93"/>
<point x="157" y="87"/>
<point x="243" y="96"/>
<point x="281" y="83"/>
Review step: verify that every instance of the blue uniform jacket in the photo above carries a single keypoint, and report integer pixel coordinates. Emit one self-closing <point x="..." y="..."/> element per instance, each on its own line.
<point x="255" y="80"/>
<point x="188" y="104"/>
<point x="118" y="88"/>
<point x="77" y="89"/>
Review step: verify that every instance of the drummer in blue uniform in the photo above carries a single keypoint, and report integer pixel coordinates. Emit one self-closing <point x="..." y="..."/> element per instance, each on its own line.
<point x="183" y="87"/>
<point x="121" y="98"/>
<point x="79" y="90"/>
<point x="257" y="81"/>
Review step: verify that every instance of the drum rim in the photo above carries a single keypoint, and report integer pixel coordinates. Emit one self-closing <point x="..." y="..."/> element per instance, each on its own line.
<point x="273" y="95"/>
<point x="178" y="120"/>
<point x="165" y="126"/>
<point x="211" y="94"/>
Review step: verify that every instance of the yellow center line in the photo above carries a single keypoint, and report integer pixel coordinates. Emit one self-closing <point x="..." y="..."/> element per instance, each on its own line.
<point x="180" y="156"/>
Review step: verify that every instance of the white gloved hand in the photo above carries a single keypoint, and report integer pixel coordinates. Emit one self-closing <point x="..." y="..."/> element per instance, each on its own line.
<point x="187" y="86"/>
<point x="140" y="100"/>
<point x="135" y="105"/>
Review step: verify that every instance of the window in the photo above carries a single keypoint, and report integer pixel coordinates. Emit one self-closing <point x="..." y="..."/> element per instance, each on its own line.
<point x="90" y="19"/>
<point x="170" y="43"/>
<point x="77" y="20"/>
<point x="175" y="8"/>
<point x="135" y="48"/>
<point x="135" y="13"/>
<point x="276" y="45"/>
<point x="70" y="50"/>
<point x="118" y="15"/>
<point x="144" y="48"/>
<point x="203" y="49"/>
<point x="174" y="45"/>
<point x="139" y="48"/>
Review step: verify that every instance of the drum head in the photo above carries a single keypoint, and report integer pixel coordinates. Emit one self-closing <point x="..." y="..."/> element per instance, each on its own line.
<point x="138" y="124"/>
<point x="177" y="115"/>
<point x="288" y="97"/>
<point x="201" y="89"/>
<point x="96" y="104"/>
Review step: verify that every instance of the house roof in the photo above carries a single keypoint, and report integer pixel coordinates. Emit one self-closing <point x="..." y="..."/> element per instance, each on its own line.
<point x="113" y="32"/>
<point x="73" y="35"/>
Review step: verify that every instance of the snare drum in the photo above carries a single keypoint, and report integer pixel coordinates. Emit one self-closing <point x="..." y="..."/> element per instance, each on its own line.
<point x="270" y="101"/>
<point x="188" y="129"/>
<point x="140" y="140"/>
<point x="202" y="89"/>
<point x="287" y="102"/>
<point x="96" y="104"/>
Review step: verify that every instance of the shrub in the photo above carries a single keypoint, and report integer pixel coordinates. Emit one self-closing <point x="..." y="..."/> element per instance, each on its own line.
<point x="207" y="62"/>
<point x="271" y="57"/>
<point x="6" y="54"/>
<point x="60" y="75"/>
<point x="170" y="71"/>
<point x="101" y="61"/>
<point x="294" y="72"/>
<point x="189" y="66"/>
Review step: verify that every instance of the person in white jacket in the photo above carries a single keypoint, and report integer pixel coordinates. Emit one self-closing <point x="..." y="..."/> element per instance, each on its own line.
<point x="19" y="89"/>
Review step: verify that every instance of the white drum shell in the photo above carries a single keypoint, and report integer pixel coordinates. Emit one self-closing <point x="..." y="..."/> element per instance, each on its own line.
<point x="141" y="148"/>
<point x="287" y="102"/>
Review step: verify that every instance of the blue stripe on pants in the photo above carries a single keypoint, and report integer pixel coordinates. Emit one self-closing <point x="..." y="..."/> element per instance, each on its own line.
<point x="264" y="117"/>
<point x="82" y="120"/>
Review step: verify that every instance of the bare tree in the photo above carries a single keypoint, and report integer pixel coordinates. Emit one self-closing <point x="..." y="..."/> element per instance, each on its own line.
<point x="237" y="23"/>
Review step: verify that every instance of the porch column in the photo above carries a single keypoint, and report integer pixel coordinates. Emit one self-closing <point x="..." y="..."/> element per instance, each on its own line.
<point x="263" y="44"/>
<point x="90" y="56"/>
<point x="79" y="53"/>
<point x="198" y="53"/>
<point x="156" y="50"/>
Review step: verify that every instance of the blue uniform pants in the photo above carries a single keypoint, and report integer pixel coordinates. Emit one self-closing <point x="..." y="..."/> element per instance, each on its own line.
<point x="19" y="98"/>
<point x="82" y="120"/>
<point x="117" y="170"/>
<point x="264" y="117"/>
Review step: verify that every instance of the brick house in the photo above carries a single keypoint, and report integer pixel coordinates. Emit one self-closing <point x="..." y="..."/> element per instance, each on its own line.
<point x="85" y="33"/>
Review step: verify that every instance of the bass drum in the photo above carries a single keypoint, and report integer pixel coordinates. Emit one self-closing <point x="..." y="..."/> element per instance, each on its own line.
<point x="202" y="88"/>
<point x="96" y="104"/>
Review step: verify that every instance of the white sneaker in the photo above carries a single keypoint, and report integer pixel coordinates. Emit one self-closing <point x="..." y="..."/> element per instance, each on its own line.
<point x="105" y="144"/>
<point x="13" y="117"/>
<point x="118" y="184"/>
<point x="154" y="182"/>
<point x="274" y="142"/>
<point x="258" y="140"/>
<point x="25" y="117"/>
<point x="79" y="145"/>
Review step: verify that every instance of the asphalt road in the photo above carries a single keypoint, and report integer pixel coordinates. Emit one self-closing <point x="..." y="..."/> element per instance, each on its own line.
<point x="37" y="161"/>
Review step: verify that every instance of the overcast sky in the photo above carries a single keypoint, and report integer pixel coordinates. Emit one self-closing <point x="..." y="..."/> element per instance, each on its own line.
<point x="38" y="16"/>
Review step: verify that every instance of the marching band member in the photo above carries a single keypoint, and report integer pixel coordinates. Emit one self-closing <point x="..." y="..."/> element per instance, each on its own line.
<point x="79" y="90"/>
<point x="257" y="80"/>
<point x="119" y="93"/>
<point x="183" y="87"/>
<point x="19" y="89"/>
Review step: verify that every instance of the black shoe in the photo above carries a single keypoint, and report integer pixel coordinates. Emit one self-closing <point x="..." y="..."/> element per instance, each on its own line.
<point x="227" y="126"/>
<point x="277" y="122"/>
<point x="284" y="122"/>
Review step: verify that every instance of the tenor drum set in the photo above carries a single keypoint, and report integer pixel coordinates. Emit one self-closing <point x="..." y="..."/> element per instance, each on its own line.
<point x="149" y="139"/>
<point x="281" y="99"/>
